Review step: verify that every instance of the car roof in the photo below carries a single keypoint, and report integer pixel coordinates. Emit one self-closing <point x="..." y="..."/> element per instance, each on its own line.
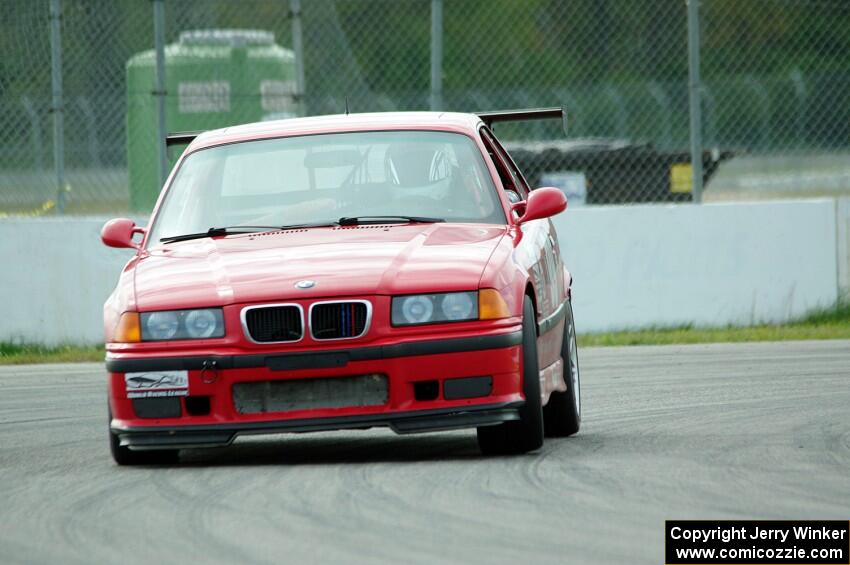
<point x="339" y="123"/>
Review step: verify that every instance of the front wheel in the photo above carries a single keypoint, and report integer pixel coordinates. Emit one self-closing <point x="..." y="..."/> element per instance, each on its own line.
<point x="563" y="412"/>
<point x="525" y="434"/>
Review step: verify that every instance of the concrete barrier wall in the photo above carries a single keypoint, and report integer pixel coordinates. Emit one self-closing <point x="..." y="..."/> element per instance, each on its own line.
<point x="54" y="277"/>
<point x="709" y="265"/>
<point x="634" y="267"/>
<point x="842" y="218"/>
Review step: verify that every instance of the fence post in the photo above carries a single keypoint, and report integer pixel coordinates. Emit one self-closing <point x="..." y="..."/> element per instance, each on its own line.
<point x="57" y="105"/>
<point x="159" y="90"/>
<point x="694" y="88"/>
<point x="298" y="48"/>
<point x="35" y="126"/>
<point x="801" y="93"/>
<point x="436" y="54"/>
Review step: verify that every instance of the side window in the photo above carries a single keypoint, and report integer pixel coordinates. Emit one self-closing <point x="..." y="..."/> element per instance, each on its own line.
<point x="511" y="179"/>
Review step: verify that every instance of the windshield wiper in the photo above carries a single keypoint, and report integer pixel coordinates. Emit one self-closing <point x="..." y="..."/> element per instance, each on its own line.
<point x="326" y="224"/>
<point x="216" y="232"/>
<point x="355" y="220"/>
<point x="233" y="230"/>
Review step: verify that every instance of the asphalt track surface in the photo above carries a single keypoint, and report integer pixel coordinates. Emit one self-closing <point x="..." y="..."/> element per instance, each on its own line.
<point x="702" y="432"/>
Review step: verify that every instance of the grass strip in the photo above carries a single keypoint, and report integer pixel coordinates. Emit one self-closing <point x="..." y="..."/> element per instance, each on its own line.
<point x="16" y="354"/>
<point x="823" y="323"/>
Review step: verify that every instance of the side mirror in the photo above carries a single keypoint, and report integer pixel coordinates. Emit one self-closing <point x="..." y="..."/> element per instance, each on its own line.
<point x="541" y="203"/>
<point x="119" y="233"/>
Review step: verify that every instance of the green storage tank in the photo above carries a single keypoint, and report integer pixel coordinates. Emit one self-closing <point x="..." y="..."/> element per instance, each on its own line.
<point x="214" y="79"/>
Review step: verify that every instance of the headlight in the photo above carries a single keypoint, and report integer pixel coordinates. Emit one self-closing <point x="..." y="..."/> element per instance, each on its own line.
<point x="417" y="310"/>
<point x="160" y="325"/>
<point x="201" y="323"/>
<point x="459" y="306"/>
<point x="434" y="308"/>
<point x="182" y="324"/>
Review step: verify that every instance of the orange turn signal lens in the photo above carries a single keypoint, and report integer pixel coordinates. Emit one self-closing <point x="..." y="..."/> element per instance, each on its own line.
<point x="128" y="330"/>
<point x="491" y="305"/>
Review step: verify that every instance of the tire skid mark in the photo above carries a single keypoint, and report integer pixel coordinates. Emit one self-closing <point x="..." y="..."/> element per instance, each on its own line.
<point x="733" y="431"/>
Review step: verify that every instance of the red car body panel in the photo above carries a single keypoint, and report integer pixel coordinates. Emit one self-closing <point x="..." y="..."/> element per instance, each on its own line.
<point x="356" y="260"/>
<point x="372" y="263"/>
<point x="502" y="364"/>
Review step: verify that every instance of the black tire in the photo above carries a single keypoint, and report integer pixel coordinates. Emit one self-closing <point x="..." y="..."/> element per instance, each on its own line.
<point x="126" y="456"/>
<point x="562" y="414"/>
<point x="525" y="434"/>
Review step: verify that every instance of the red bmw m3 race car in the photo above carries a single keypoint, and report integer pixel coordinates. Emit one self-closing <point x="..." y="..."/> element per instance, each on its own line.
<point x="343" y="272"/>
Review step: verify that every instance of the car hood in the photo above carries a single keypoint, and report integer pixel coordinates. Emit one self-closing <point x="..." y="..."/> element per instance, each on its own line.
<point x="357" y="260"/>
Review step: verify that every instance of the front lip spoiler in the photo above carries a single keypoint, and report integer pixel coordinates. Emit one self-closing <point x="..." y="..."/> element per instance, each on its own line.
<point x="323" y="359"/>
<point x="220" y="435"/>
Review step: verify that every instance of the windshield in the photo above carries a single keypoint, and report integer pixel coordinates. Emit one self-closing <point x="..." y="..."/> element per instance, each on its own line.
<point x="321" y="178"/>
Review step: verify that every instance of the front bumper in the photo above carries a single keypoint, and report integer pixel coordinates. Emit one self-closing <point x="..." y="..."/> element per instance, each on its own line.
<point x="182" y="437"/>
<point x="406" y="365"/>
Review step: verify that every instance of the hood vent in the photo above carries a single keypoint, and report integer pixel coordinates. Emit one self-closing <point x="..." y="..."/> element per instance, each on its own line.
<point x="280" y="232"/>
<point x="365" y="227"/>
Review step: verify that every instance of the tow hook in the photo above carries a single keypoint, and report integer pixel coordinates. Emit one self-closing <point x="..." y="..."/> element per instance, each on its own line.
<point x="209" y="372"/>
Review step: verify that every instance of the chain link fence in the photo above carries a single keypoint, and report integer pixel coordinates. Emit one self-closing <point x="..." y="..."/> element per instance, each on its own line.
<point x="776" y="91"/>
<point x="775" y="88"/>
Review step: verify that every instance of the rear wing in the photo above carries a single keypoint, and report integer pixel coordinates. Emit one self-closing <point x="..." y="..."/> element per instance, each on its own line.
<point x="181" y="138"/>
<point x="489" y="118"/>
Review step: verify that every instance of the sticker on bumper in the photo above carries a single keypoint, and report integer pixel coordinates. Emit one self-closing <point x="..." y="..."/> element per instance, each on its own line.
<point x="157" y="384"/>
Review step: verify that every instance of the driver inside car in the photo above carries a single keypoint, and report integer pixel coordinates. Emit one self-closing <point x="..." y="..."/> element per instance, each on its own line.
<point x="428" y="176"/>
<point x="417" y="169"/>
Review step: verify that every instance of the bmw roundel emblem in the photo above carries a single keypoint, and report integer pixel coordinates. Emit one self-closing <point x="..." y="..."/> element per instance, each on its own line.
<point x="305" y="284"/>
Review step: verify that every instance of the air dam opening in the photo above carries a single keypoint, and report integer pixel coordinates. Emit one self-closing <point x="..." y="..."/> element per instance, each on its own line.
<point x="259" y="397"/>
<point x="198" y="405"/>
<point x="166" y="407"/>
<point x="467" y="387"/>
<point x="426" y="390"/>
